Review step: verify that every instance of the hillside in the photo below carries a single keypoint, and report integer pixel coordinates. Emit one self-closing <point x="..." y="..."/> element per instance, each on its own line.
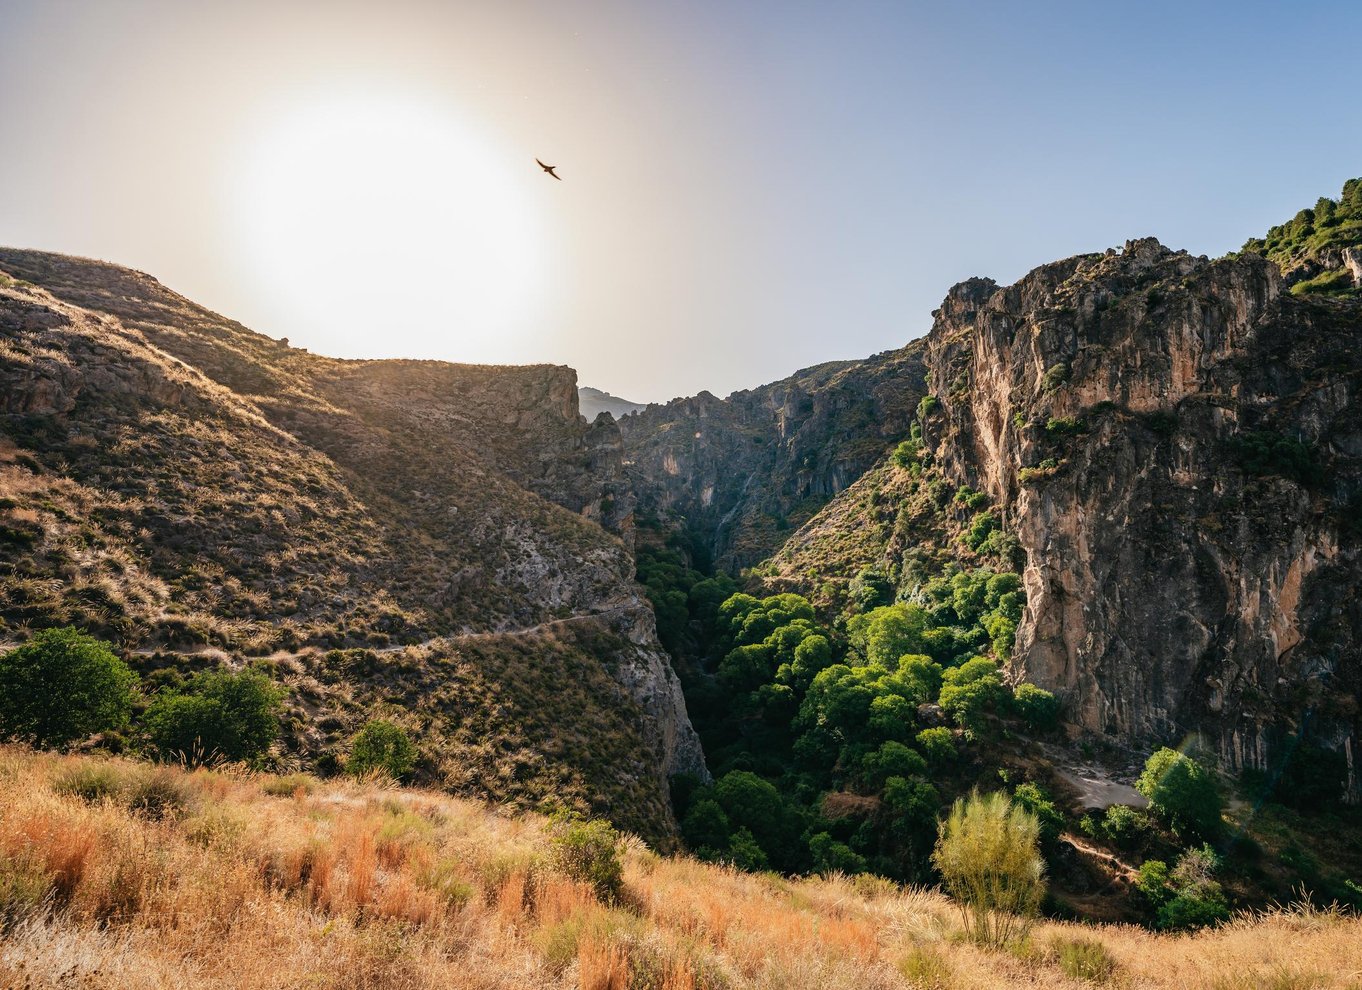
<point x="448" y="542"/>
<point x="119" y="875"/>
<point x="593" y="402"/>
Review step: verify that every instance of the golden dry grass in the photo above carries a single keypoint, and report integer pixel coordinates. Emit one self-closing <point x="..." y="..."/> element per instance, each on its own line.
<point x="229" y="879"/>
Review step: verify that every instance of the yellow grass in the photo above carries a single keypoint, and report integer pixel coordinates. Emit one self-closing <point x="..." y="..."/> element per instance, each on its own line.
<point x="243" y="881"/>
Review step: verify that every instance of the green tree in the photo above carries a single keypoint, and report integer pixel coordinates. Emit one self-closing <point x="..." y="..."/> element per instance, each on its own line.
<point x="219" y="716"/>
<point x="831" y="856"/>
<point x="1037" y="707"/>
<point x="988" y="853"/>
<point x="1183" y="793"/>
<point x="382" y="746"/>
<point x="61" y="686"/>
<point x="971" y="690"/>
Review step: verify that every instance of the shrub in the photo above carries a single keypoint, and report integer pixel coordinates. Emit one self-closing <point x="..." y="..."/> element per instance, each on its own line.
<point x="926" y="969"/>
<point x="384" y="747"/>
<point x="1048" y="816"/>
<point x="937" y="745"/>
<point x="61" y="686"/>
<point x="981" y="527"/>
<point x="221" y="716"/>
<point x="1054" y="377"/>
<point x="970" y="690"/>
<point x="989" y="858"/>
<point x="1037" y="707"/>
<point x="1064" y="426"/>
<point x="156" y="793"/>
<point x="831" y="856"/>
<point x="1123" y="825"/>
<point x="1183" y="793"/>
<point x="1085" y="959"/>
<point x="588" y="851"/>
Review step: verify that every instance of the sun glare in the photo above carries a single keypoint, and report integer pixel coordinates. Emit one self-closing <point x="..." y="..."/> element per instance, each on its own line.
<point x="371" y="220"/>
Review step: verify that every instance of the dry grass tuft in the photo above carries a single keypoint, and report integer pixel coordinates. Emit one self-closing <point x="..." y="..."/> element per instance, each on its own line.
<point x="253" y="881"/>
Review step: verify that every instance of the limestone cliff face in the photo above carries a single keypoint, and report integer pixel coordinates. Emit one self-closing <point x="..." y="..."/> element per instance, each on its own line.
<point x="742" y="473"/>
<point x="1116" y="408"/>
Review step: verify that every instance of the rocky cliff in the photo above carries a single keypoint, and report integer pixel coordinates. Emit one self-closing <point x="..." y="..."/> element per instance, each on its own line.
<point x="740" y="475"/>
<point x="197" y="492"/>
<point x="1177" y="446"/>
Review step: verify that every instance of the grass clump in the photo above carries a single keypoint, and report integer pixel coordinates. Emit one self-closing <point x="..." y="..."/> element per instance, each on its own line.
<point x="1084" y="959"/>
<point x="92" y="782"/>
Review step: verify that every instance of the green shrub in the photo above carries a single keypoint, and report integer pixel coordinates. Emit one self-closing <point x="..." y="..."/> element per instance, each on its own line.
<point x="1263" y="452"/>
<point x="971" y="690"/>
<point x="831" y="856"/>
<point x="1054" y="377"/>
<point x="927" y="405"/>
<point x="220" y="716"/>
<point x="1183" y="793"/>
<point x="588" y="851"/>
<point x="989" y="857"/>
<point x="61" y="686"/>
<point x="981" y="526"/>
<point x="1048" y="816"/>
<point x="937" y="745"/>
<point x="1084" y="959"/>
<point x="1037" y="707"/>
<point x="384" y="747"/>
<point x="1124" y="826"/>
<point x="1064" y="426"/>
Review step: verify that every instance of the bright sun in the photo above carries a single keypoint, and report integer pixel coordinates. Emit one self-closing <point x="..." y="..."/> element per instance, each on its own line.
<point x="380" y="225"/>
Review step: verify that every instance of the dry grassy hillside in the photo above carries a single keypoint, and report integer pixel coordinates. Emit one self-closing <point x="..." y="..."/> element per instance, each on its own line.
<point x="408" y="538"/>
<point x="123" y="875"/>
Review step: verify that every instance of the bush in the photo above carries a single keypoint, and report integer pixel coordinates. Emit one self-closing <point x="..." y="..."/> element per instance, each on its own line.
<point x="1064" y="426"/>
<point x="382" y="746"/>
<point x="1037" y="707"/>
<point x="1123" y="825"/>
<point x="589" y="852"/>
<point x="1183" y="793"/>
<point x="831" y="856"/>
<point x="937" y="745"/>
<point x="1085" y="959"/>
<point x="989" y="857"/>
<point x="221" y="716"/>
<point x="61" y="686"/>
<point x="1054" y="377"/>
<point x="1048" y="816"/>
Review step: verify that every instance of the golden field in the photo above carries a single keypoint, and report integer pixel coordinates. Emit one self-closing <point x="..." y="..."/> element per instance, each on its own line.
<point x="116" y="874"/>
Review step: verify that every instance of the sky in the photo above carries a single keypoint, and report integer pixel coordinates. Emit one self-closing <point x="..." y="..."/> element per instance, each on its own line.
<point x="747" y="188"/>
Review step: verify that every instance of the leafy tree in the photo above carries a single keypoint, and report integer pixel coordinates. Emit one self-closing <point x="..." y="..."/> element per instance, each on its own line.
<point x="384" y="746"/>
<point x="892" y="759"/>
<point x="745" y="852"/>
<point x="1189" y="896"/>
<point x="1183" y="793"/>
<point x="884" y="634"/>
<point x="831" y="856"/>
<point x="706" y="827"/>
<point x="220" y="716"/>
<point x="756" y="805"/>
<point x="937" y="744"/>
<point x="971" y="690"/>
<point x="1037" y="707"/>
<point x="989" y="858"/>
<point x="61" y="686"/>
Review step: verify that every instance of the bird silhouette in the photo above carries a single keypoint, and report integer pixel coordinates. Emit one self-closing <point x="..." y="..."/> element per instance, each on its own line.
<point x="549" y="169"/>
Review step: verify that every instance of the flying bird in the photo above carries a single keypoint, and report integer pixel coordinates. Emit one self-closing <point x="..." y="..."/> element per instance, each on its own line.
<point x="549" y="169"/>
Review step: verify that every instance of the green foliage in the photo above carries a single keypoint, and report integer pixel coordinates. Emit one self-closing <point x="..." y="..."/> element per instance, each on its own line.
<point x="706" y="828"/>
<point x="871" y="588"/>
<point x="989" y="858"/>
<point x="382" y="746"/>
<point x="980" y="528"/>
<point x="1331" y="224"/>
<point x="93" y="782"/>
<point x="1188" y="896"/>
<point x="970" y="691"/>
<point x="884" y="634"/>
<point x="907" y="453"/>
<point x="61" y="686"/>
<point x="1037" y="707"/>
<point x="1124" y="826"/>
<point x="1064" y="426"/>
<point x="1183" y="793"/>
<point x="219" y="716"/>
<point x="927" y="405"/>
<point x="588" y="851"/>
<point x="1262" y="452"/>
<point x="1048" y="816"/>
<point x="831" y="856"/>
<point x="937" y="745"/>
<point x="969" y="498"/>
<point x="1055" y="376"/>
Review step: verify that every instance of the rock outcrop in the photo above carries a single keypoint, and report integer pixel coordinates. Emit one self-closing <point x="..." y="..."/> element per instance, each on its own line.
<point x="1175" y="442"/>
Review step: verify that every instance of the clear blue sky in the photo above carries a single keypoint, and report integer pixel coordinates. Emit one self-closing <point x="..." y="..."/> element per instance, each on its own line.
<point x="748" y="187"/>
